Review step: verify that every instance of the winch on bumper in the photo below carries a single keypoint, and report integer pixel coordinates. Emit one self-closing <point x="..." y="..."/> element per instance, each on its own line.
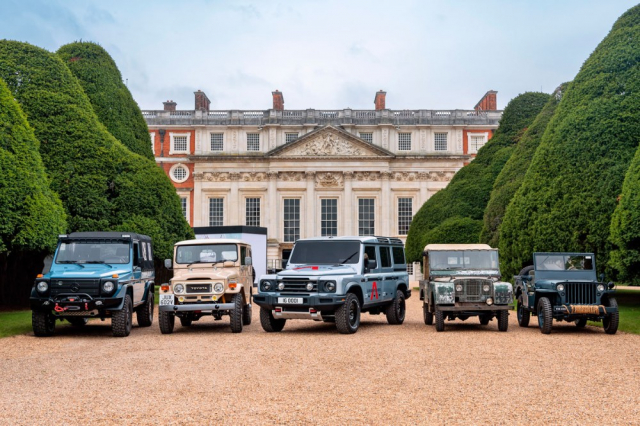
<point x="64" y="303"/>
<point x="311" y="307"/>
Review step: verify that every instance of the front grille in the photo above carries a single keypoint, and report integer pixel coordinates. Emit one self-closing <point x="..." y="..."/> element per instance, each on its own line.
<point x="198" y="288"/>
<point x="298" y="286"/>
<point x="471" y="290"/>
<point x="90" y="287"/>
<point x="581" y="293"/>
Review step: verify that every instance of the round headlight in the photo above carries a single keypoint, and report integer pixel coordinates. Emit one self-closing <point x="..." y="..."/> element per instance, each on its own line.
<point x="309" y="287"/>
<point x="459" y="288"/>
<point x="42" y="286"/>
<point x="600" y="287"/>
<point x="486" y="288"/>
<point x="330" y="286"/>
<point x="178" y="288"/>
<point x="266" y="285"/>
<point x="489" y="301"/>
<point x="281" y="286"/>
<point x="108" y="287"/>
<point x="560" y="287"/>
<point x="218" y="287"/>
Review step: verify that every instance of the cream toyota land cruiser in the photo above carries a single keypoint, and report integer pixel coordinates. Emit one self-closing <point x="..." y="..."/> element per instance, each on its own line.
<point x="210" y="277"/>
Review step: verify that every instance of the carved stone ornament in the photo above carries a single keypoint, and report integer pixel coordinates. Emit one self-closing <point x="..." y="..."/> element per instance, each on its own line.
<point x="234" y="176"/>
<point x="348" y="175"/>
<point x="329" y="180"/>
<point x="198" y="176"/>
<point x="405" y="176"/>
<point x="212" y="176"/>
<point x="440" y="176"/>
<point x="367" y="176"/>
<point x="272" y="175"/>
<point x="253" y="177"/>
<point x="291" y="176"/>
<point x="327" y="144"/>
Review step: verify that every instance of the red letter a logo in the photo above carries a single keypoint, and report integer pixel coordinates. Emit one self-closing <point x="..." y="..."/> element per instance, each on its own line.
<point x="374" y="290"/>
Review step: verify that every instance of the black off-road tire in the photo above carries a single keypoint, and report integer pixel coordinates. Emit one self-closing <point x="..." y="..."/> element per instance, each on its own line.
<point x="247" y="313"/>
<point x="236" y="313"/>
<point x="397" y="309"/>
<point x="484" y="319"/>
<point x="581" y="323"/>
<point x="144" y="314"/>
<point x="78" y="321"/>
<point x="545" y="316"/>
<point x="427" y="315"/>
<point x="348" y="315"/>
<point x="503" y="320"/>
<point x="610" y="322"/>
<point x="439" y="320"/>
<point x="186" y="320"/>
<point x="523" y="315"/>
<point x="43" y="323"/>
<point x="121" y="321"/>
<point x="167" y="321"/>
<point x="526" y="270"/>
<point x="269" y="323"/>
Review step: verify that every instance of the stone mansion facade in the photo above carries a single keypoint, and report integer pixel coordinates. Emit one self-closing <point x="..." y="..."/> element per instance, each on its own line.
<point x="304" y="173"/>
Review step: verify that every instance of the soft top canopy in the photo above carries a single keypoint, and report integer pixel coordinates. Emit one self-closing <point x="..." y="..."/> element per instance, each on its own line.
<point x="447" y="247"/>
<point x="106" y="235"/>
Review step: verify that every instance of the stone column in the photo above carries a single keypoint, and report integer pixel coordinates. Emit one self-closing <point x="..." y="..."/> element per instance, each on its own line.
<point x="234" y="209"/>
<point x="348" y="205"/>
<point x="271" y="209"/>
<point x="387" y="201"/>
<point x="310" y="229"/>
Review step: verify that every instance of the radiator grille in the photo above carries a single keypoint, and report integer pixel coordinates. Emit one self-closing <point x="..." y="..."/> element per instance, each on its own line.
<point x="198" y="288"/>
<point x="90" y="287"/>
<point x="581" y="293"/>
<point x="298" y="286"/>
<point x="471" y="290"/>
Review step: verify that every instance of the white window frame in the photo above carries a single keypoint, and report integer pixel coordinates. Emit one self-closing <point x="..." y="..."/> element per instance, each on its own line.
<point x="253" y="134"/>
<point x="337" y="213"/>
<point x="400" y="141"/>
<point x="375" y="213"/>
<point x="224" y="209"/>
<point x="286" y="135"/>
<point x="366" y="133"/>
<point x="300" y="215"/>
<point x="152" y="135"/>
<point x="260" y="208"/>
<point x="187" y="213"/>
<point x="175" y="166"/>
<point x="211" y="141"/>
<point x="172" y="145"/>
<point x="485" y="135"/>
<point x="434" y="141"/>
<point x="398" y="198"/>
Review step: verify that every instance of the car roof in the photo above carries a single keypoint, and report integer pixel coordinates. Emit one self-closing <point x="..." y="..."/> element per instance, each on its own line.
<point x="106" y="235"/>
<point x="368" y="239"/>
<point x="571" y="253"/>
<point x="441" y="247"/>
<point x="201" y="241"/>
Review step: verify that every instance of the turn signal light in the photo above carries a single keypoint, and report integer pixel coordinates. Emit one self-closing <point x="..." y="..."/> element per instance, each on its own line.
<point x="164" y="288"/>
<point x="232" y="285"/>
<point x="39" y="276"/>
<point x="114" y="276"/>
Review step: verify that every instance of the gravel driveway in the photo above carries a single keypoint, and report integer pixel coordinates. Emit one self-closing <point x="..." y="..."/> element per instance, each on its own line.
<point x="383" y="374"/>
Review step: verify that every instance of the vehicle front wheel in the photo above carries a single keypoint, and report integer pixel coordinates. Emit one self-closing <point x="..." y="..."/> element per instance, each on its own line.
<point x="43" y="323"/>
<point x="269" y="323"/>
<point x="167" y="321"/>
<point x="426" y="314"/>
<point x="503" y="320"/>
<point x="439" y="320"/>
<point x="396" y="311"/>
<point x="610" y="322"/>
<point x="78" y="322"/>
<point x="122" y="319"/>
<point x="144" y="314"/>
<point x="523" y="315"/>
<point x="545" y="317"/>
<point x="236" y="313"/>
<point x="348" y="315"/>
<point x="581" y="323"/>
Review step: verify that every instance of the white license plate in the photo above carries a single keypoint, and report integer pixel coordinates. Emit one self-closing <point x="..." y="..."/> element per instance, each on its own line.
<point x="290" y="300"/>
<point x="166" y="300"/>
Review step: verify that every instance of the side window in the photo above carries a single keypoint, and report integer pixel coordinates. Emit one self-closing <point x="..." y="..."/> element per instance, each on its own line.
<point x="243" y="254"/>
<point x="385" y="257"/>
<point x="136" y="255"/>
<point x="370" y="253"/>
<point x="398" y="256"/>
<point x="144" y="250"/>
<point x="149" y="254"/>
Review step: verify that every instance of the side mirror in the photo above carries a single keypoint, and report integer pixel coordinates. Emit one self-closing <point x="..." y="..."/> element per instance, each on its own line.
<point x="168" y="264"/>
<point x="247" y="261"/>
<point x="601" y="276"/>
<point x="371" y="264"/>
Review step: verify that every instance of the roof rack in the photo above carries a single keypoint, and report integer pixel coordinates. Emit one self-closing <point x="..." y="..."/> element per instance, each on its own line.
<point x="389" y="240"/>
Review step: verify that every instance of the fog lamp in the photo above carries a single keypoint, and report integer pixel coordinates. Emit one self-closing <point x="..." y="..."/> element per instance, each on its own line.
<point x="489" y="301"/>
<point x="181" y="299"/>
<point x="281" y="286"/>
<point x="309" y="287"/>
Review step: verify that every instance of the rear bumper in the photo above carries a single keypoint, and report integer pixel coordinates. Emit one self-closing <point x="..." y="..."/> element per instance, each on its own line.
<point x="320" y="303"/>
<point x="198" y="307"/>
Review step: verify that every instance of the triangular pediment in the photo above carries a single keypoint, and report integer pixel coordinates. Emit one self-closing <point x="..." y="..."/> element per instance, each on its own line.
<point x="329" y="141"/>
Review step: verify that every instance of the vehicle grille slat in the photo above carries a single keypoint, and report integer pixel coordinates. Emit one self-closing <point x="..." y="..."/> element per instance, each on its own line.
<point x="581" y="293"/>
<point x="298" y="286"/>
<point x="198" y="288"/>
<point x="90" y="287"/>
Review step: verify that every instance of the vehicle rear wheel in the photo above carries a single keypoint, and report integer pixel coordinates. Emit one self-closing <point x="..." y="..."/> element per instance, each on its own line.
<point x="396" y="310"/>
<point x="610" y="322"/>
<point x="503" y="320"/>
<point x="523" y="315"/>
<point x="78" y="321"/>
<point x="348" y="315"/>
<point x="426" y="314"/>
<point x="545" y="317"/>
<point x="122" y="319"/>
<point x="580" y="323"/>
<point x="484" y="319"/>
<point x="144" y="314"/>
<point x="439" y="320"/>
<point x="186" y="320"/>
<point x="167" y="321"/>
<point x="236" y="313"/>
<point x="43" y="323"/>
<point x="269" y="323"/>
<point x="527" y="270"/>
<point x="247" y="312"/>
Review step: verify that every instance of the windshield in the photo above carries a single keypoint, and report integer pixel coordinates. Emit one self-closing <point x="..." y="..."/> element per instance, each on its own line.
<point x="564" y="262"/>
<point x="206" y="253"/>
<point x="326" y="252"/>
<point x="93" y="252"/>
<point x="450" y="260"/>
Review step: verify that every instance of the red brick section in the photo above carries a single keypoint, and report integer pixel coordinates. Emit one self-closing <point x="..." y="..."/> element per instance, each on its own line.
<point x="169" y="106"/>
<point x="202" y="101"/>
<point x="465" y="138"/>
<point x="186" y="184"/>
<point x="278" y="100"/>
<point x="380" y="99"/>
<point x="488" y="102"/>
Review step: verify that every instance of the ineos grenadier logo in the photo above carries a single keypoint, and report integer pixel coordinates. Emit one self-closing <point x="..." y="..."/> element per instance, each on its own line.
<point x="75" y="288"/>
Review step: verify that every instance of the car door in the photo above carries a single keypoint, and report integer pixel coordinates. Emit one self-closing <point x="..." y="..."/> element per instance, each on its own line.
<point x="388" y="278"/>
<point x="372" y="278"/>
<point x="138" y="283"/>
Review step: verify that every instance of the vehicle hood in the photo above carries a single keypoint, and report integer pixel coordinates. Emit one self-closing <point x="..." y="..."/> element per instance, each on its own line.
<point x="215" y="273"/>
<point x="317" y="270"/>
<point x="89" y="271"/>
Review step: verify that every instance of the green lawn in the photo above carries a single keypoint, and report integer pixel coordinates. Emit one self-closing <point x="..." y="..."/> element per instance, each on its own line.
<point x="629" y="305"/>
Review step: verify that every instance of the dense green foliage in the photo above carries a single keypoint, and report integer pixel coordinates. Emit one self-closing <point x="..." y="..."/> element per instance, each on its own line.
<point x="468" y="192"/>
<point x="455" y="230"/>
<point x="101" y="183"/>
<point x="111" y="100"/>
<point x="31" y="215"/>
<point x="571" y="188"/>
<point x="512" y="174"/>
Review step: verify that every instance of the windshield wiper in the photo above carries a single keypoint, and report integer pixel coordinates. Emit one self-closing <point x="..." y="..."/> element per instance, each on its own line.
<point x="214" y="263"/>
<point x="345" y="260"/>
<point x="101" y="262"/>
<point x="71" y="262"/>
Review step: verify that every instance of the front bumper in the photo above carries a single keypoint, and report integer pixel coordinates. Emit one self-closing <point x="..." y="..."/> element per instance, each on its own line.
<point x="473" y="307"/>
<point x="578" y="311"/>
<point x="198" y="307"/>
<point x="75" y="304"/>
<point x="318" y="302"/>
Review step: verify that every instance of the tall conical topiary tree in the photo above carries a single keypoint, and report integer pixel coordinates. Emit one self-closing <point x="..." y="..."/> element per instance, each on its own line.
<point x="111" y="100"/>
<point x="91" y="170"/>
<point x="571" y="188"/>
<point x="512" y="174"/>
<point x="31" y="214"/>
<point x="467" y="194"/>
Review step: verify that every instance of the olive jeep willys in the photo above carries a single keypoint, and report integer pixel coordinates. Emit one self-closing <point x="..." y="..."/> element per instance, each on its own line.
<point x="461" y="281"/>
<point x="564" y="287"/>
<point x="210" y="277"/>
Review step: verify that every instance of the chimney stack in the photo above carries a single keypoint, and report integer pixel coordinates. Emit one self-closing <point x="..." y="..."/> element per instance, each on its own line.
<point x="202" y="101"/>
<point x="379" y="101"/>
<point x="278" y="100"/>
<point x="170" y="106"/>
<point x="489" y="102"/>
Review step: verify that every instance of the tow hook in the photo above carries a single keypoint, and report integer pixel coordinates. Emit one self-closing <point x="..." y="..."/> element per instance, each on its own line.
<point x="59" y="308"/>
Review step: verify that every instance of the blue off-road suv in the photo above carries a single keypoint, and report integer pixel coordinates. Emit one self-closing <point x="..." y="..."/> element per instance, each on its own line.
<point x="96" y="275"/>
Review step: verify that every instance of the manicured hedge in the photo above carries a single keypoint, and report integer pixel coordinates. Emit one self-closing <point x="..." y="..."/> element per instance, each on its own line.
<point x="455" y="230"/>
<point x="512" y="174"/>
<point x="111" y="100"/>
<point x="468" y="192"/>
<point x="571" y="188"/>
<point x="101" y="183"/>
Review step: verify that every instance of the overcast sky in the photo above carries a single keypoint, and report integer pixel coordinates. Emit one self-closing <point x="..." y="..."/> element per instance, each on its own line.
<point x="326" y="54"/>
